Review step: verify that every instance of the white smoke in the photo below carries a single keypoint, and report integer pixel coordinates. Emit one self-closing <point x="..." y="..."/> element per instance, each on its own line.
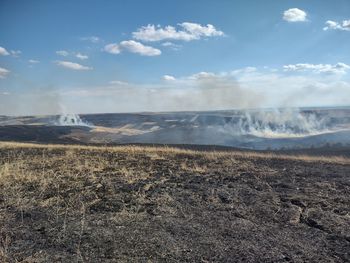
<point x="279" y="123"/>
<point x="71" y="120"/>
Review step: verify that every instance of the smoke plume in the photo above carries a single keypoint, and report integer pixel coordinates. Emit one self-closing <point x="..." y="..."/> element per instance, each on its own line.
<point x="71" y="120"/>
<point x="279" y="123"/>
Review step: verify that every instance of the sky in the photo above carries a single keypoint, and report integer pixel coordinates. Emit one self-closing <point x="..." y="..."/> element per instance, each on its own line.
<point x="159" y="55"/>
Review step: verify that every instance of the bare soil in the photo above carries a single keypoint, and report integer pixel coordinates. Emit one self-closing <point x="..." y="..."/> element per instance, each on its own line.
<point x="141" y="204"/>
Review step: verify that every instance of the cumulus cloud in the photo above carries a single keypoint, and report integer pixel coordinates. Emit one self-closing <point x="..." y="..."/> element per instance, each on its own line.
<point x="169" y="78"/>
<point x="3" y="73"/>
<point x="294" y="15"/>
<point x="112" y="48"/>
<point x="133" y="47"/>
<point x="3" y="52"/>
<point x="72" y="65"/>
<point x="339" y="68"/>
<point x="333" y="25"/>
<point x="62" y="53"/>
<point x="187" y="32"/>
<point x="14" y="53"/>
<point x="33" y="61"/>
<point x="81" y="56"/>
<point x="137" y="47"/>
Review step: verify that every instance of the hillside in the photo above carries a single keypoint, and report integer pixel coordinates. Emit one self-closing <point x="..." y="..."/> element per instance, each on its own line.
<point x="148" y="204"/>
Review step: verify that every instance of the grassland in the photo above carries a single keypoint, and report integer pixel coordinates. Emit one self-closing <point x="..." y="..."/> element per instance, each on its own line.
<point x="158" y="204"/>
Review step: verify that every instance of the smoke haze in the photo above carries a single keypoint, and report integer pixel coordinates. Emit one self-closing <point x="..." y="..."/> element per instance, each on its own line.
<point x="199" y="92"/>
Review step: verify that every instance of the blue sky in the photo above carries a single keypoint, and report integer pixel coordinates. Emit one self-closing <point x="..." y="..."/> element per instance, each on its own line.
<point x="117" y="56"/>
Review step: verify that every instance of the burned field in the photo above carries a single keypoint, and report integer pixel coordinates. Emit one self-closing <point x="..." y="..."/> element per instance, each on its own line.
<point x="274" y="129"/>
<point x="141" y="204"/>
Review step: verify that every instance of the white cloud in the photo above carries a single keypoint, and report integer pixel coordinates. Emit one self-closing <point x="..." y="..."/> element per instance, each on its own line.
<point x="168" y="44"/>
<point x="344" y="26"/>
<point x="188" y="32"/>
<point x="169" y="78"/>
<point x="72" y="65"/>
<point x="171" y="45"/>
<point x="33" y="61"/>
<point x="133" y="47"/>
<point x="339" y="68"/>
<point x="294" y="15"/>
<point x="81" y="56"/>
<point x="118" y="82"/>
<point x="332" y="25"/>
<point x="3" y="73"/>
<point x="65" y="53"/>
<point x="5" y="93"/>
<point x="112" y="48"/>
<point x="199" y="30"/>
<point x="16" y="53"/>
<point x="3" y="52"/>
<point x="62" y="53"/>
<point x="137" y="47"/>
<point x="92" y="39"/>
<point x="202" y="75"/>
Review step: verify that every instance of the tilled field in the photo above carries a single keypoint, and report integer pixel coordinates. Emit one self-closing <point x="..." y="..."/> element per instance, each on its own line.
<point x="141" y="204"/>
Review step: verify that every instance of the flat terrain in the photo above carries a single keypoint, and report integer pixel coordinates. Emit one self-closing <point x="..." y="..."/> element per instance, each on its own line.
<point x="142" y="204"/>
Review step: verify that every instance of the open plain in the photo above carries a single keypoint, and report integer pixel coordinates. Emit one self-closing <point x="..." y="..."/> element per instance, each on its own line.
<point x="142" y="204"/>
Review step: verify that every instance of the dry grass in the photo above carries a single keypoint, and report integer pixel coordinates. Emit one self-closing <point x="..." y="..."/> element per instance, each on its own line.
<point x="66" y="202"/>
<point x="158" y="152"/>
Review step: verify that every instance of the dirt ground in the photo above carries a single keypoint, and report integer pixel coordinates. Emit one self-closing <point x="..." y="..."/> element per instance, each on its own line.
<point x="141" y="204"/>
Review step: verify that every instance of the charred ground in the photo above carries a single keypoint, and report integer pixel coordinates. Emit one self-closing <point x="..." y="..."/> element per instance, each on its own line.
<point x="139" y="204"/>
<point x="261" y="129"/>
